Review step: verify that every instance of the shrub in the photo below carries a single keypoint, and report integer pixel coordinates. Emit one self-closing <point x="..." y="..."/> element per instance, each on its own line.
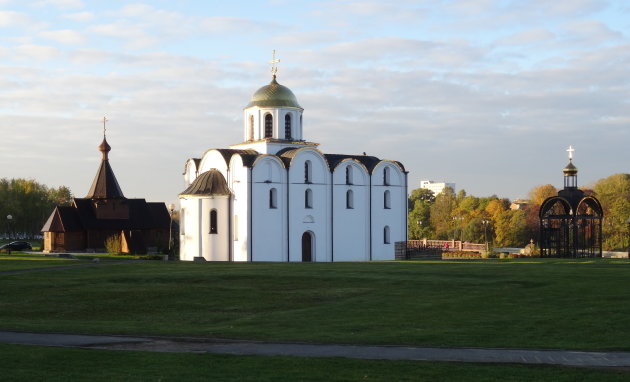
<point x="113" y="245"/>
<point x="461" y="255"/>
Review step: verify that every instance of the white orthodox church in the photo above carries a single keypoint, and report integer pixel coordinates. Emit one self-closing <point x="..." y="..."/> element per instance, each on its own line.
<point x="276" y="197"/>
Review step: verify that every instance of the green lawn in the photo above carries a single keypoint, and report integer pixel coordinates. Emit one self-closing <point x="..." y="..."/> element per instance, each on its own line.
<point x="19" y="260"/>
<point x="492" y="303"/>
<point x="32" y="363"/>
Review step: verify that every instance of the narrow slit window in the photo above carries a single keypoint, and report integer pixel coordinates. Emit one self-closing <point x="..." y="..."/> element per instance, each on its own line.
<point x="273" y="198"/>
<point x="349" y="175"/>
<point x="213" y="222"/>
<point x="308" y="172"/>
<point x="349" y="199"/>
<point x="387" y="202"/>
<point x="287" y="126"/>
<point x="308" y="198"/>
<point x="250" y="133"/>
<point x="386" y="176"/>
<point x="386" y="239"/>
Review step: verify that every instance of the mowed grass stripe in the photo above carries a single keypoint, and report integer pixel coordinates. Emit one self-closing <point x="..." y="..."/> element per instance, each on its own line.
<point x="33" y="363"/>
<point x="522" y="304"/>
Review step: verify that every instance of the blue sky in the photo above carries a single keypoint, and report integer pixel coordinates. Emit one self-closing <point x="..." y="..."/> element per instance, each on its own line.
<point x="485" y="94"/>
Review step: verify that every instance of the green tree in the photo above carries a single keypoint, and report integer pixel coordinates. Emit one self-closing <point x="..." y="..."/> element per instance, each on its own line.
<point x="420" y="194"/>
<point x="441" y="213"/>
<point x="29" y="203"/>
<point x="419" y="221"/>
<point x="509" y="228"/>
<point x="613" y="193"/>
<point x="419" y="224"/>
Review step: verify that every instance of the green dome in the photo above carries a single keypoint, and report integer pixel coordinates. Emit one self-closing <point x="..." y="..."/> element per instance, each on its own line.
<point x="274" y="95"/>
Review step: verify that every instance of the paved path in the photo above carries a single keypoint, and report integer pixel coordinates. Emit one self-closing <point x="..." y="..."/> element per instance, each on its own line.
<point x="215" y="346"/>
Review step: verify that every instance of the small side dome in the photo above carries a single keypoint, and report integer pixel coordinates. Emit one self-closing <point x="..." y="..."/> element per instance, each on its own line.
<point x="570" y="169"/>
<point x="274" y="95"/>
<point x="209" y="183"/>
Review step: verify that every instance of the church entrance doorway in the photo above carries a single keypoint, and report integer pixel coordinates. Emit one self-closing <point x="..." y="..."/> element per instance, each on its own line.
<point x="307" y="247"/>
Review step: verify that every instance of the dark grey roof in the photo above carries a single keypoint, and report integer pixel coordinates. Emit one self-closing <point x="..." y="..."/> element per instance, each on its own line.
<point x="210" y="182"/>
<point x="80" y="216"/>
<point x="105" y="185"/>
<point x="249" y="155"/>
<point x="368" y="161"/>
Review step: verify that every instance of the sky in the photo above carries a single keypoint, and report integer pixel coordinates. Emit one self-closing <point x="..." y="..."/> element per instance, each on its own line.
<point x="487" y="94"/>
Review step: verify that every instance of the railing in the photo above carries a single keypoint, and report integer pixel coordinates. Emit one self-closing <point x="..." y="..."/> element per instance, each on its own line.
<point x="447" y="245"/>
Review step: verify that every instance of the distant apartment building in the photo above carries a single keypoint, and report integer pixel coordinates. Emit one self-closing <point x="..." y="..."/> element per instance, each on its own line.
<point x="519" y="204"/>
<point x="436" y="187"/>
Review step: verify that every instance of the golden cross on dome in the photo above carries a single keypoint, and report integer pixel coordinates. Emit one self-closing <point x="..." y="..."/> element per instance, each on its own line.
<point x="105" y="120"/>
<point x="273" y="62"/>
<point x="570" y="150"/>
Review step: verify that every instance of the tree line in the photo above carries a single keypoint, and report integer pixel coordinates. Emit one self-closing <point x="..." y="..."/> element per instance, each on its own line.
<point x="29" y="204"/>
<point x="459" y="216"/>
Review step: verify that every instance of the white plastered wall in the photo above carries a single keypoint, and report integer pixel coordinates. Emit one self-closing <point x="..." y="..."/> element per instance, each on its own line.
<point x="190" y="172"/>
<point x="395" y="217"/>
<point x="195" y="238"/>
<point x="239" y="183"/>
<point x="213" y="159"/>
<point x="269" y="237"/>
<point x="316" y="219"/>
<point x="351" y="226"/>
<point x="278" y="114"/>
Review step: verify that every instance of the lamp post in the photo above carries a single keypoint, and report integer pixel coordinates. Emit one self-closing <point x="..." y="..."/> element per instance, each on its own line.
<point x="171" y="208"/>
<point x="485" y="223"/>
<point x="628" y="221"/>
<point x="9" y="220"/>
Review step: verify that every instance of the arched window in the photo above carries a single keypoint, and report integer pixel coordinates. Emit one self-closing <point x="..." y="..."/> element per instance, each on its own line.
<point x="308" y="172"/>
<point x="273" y="198"/>
<point x="213" y="221"/>
<point x="386" y="235"/>
<point x="287" y="126"/>
<point x="387" y="203"/>
<point x="250" y="133"/>
<point x="386" y="176"/>
<point x="349" y="199"/>
<point x="348" y="174"/>
<point x="268" y="126"/>
<point x="308" y="198"/>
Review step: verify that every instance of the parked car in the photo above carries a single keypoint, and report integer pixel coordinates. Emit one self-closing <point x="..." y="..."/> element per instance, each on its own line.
<point x="17" y="246"/>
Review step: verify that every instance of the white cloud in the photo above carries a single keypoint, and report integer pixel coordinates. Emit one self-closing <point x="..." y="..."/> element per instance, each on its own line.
<point x="132" y="36"/>
<point x="530" y="36"/>
<point x="36" y="52"/>
<point x="233" y="24"/>
<point x="65" y="36"/>
<point x="11" y="18"/>
<point x="80" y="16"/>
<point x="590" y="32"/>
<point x="62" y="4"/>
